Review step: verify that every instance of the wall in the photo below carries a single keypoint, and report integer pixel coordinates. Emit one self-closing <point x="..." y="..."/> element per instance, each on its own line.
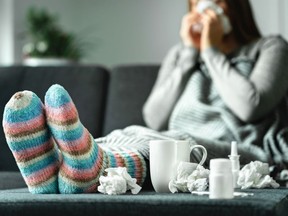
<point x="6" y="32"/>
<point x="285" y="12"/>
<point x="116" y="32"/>
<point x="132" y="31"/>
<point x="120" y="32"/>
<point x="271" y="16"/>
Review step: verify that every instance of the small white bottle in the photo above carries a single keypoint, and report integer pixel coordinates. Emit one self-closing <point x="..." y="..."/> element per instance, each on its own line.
<point x="234" y="158"/>
<point x="221" y="179"/>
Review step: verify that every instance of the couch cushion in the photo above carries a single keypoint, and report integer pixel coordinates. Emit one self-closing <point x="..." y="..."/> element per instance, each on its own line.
<point x="265" y="202"/>
<point x="9" y="180"/>
<point x="129" y="88"/>
<point x="87" y="86"/>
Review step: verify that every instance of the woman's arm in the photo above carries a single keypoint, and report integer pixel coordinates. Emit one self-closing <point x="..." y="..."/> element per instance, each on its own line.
<point x="251" y="98"/>
<point x="172" y="78"/>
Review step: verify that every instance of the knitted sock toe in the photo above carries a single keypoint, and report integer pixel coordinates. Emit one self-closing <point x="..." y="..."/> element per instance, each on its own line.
<point x="31" y="143"/>
<point x="83" y="160"/>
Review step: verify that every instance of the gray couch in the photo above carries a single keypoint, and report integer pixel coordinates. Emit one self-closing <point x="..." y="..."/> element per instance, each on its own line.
<point x="108" y="100"/>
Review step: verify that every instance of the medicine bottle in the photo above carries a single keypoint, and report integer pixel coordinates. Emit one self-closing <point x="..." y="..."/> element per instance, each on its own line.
<point x="221" y="179"/>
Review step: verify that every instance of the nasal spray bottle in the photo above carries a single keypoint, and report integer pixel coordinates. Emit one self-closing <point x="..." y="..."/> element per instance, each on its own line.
<point x="234" y="158"/>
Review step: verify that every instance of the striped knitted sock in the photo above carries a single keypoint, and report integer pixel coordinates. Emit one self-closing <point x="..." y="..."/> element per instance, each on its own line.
<point x="31" y="143"/>
<point x="83" y="160"/>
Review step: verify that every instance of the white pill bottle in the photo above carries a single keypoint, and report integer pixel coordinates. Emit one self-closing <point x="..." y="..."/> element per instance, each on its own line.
<point x="221" y="179"/>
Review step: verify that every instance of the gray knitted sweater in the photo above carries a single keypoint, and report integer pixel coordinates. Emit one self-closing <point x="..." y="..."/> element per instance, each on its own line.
<point x="217" y="98"/>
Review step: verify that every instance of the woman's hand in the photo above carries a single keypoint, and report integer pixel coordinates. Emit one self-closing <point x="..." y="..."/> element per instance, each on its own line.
<point x="212" y="32"/>
<point x="189" y="37"/>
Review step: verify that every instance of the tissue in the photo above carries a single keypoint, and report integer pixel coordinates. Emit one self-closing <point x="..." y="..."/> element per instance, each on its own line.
<point x="189" y="177"/>
<point x="203" y="5"/>
<point x="117" y="181"/>
<point x="256" y="175"/>
<point x="284" y="175"/>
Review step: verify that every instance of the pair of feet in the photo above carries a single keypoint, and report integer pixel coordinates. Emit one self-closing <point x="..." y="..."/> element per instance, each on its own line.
<point x="54" y="151"/>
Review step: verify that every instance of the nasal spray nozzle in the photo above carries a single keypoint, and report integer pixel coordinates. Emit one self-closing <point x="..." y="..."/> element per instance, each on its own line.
<point x="234" y="158"/>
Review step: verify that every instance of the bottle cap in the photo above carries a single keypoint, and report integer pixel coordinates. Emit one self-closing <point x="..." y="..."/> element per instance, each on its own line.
<point x="220" y="165"/>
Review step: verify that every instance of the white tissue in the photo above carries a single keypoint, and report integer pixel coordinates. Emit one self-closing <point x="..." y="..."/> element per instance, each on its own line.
<point x="284" y="175"/>
<point x="189" y="177"/>
<point x="117" y="181"/>
<point x="235" y="194"/>
<point x="203" y="5"/>
<point x="256" y="175"/>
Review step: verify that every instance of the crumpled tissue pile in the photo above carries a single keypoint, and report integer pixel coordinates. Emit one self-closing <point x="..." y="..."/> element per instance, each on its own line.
<point x="256" y="175"/>
<point x="284" y="175"/>
<point x="189" y="177"/>
<point x="117" y="181"/>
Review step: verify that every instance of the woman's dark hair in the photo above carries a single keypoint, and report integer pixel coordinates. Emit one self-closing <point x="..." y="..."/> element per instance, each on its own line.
<point x="242" y="20"/>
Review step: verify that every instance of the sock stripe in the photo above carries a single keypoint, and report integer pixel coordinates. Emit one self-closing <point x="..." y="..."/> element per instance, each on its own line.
<point x="45" y="183"/>
<point x="82" y="163"/>
<point x="12" y="135"/>
<point x="120" y="162"/>
<point x="34" y="141"/>
<point x="141" y="170"/>
<point x="64" y="123"/>
<point x="78" y="147"/>
<point x="37" y="165"/>
<point x="63" y="126"/>
<point x="20" y="127"/>
<point x="55" y="114"/>
<point x="55" y="99"/>
<point x="48" y="156"/>
<point x="67" y="135"/>
<point x="41" y="176"/>
<point x="82" y="175"/>
<point x="32" y="153"/>
<point x="111" y="159"/>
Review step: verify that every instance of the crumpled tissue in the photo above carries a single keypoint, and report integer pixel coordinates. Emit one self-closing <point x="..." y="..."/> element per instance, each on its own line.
<point x="117" y="181"/>
<point x="256" y="175"/>
<point x="189" y="177"/>
<point x="284" y="175"/>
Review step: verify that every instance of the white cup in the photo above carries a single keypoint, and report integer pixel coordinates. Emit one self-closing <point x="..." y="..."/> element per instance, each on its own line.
<point x="165" y="156"/>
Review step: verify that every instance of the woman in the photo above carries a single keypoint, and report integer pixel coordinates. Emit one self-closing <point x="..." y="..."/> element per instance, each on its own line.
<point x="212" y="88"/>
<point x="225" y="87"/>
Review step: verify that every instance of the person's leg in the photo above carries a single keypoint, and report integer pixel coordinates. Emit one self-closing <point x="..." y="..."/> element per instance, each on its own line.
<point x="83" y="160"/>
<point x="31" y="143"/>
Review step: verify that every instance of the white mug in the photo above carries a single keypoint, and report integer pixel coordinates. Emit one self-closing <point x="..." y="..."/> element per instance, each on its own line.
<point x="165" y="156"/>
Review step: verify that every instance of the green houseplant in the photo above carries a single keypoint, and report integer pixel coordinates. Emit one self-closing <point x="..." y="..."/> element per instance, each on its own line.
<point x="48" y="41"/>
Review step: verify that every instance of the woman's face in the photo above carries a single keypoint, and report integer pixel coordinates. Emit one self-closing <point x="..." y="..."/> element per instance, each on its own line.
<point x="221" y="3"/>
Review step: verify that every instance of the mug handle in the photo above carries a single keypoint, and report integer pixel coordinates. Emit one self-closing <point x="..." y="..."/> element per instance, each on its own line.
<point x="204" y="151"/>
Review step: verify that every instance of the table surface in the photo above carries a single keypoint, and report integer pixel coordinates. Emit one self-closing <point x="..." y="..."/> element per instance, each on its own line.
<point x="270" y="202"/>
